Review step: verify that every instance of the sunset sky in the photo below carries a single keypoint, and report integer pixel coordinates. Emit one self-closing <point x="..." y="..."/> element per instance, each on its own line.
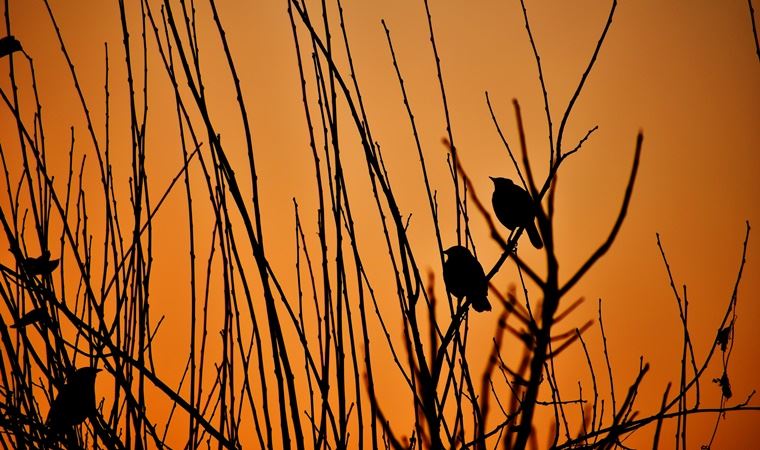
<point x="686" y="74"/>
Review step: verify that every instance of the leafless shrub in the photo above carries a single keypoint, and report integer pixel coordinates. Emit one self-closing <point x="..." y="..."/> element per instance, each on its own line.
<point x="314" y="356"/>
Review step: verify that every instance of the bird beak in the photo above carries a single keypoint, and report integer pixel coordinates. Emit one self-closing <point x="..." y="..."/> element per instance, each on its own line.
<point x="493" y="179"/>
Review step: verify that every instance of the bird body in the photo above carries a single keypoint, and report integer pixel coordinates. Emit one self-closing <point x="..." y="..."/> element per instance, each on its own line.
<point x="37" y="315"/>
<point x="41" y="265"/>
<point x="514" y="208"/>
<point x="464" y="277"/>
<point x="75" y="400"/>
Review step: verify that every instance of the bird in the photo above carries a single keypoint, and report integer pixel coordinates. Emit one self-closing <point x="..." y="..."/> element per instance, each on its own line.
<point x="514" y="208"/>
<point x="75" y="401"/>
<point x="41" y="265"/>
<point x="464" y="277"/>
<point x="8" y="45"/>
<point x="37" y="315"/>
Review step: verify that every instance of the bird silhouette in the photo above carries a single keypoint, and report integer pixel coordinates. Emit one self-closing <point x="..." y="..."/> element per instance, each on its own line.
<point x="75" y="401"/>
<point x="464" y="277"/>
<point x="8" y="45"/>
<point x="37" y="315"/>
<point x="41" y="265"/>
<point x="514" y="208"/>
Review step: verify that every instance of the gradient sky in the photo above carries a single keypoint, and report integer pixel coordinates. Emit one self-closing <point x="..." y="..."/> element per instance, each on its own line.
<point x="685" y="73"/>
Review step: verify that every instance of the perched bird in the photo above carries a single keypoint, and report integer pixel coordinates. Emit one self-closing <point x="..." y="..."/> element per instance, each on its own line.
<point x="41" y="265"/>
<point x="514" y="208"/>
<point x="8" y="45"/>
<point x="464" y="277"/>
<point x="37" y="315"/>
<point x="75" y="401"/>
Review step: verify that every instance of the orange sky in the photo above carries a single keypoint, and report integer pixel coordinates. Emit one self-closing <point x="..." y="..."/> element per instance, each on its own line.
<point x="685" y="73"/>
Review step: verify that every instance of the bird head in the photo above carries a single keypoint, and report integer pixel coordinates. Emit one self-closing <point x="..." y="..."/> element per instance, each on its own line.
<point x="501" y="182"/>
<point x="456" y="251"/>
<point x="85" y="374"/>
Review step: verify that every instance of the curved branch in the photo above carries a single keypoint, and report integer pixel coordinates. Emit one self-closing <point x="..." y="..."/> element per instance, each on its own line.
<point x="578" y="90"/>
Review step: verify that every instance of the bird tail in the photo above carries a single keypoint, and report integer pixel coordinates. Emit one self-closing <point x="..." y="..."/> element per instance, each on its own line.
<point x="480" y="303"/>
<point x="535" y="238"/>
